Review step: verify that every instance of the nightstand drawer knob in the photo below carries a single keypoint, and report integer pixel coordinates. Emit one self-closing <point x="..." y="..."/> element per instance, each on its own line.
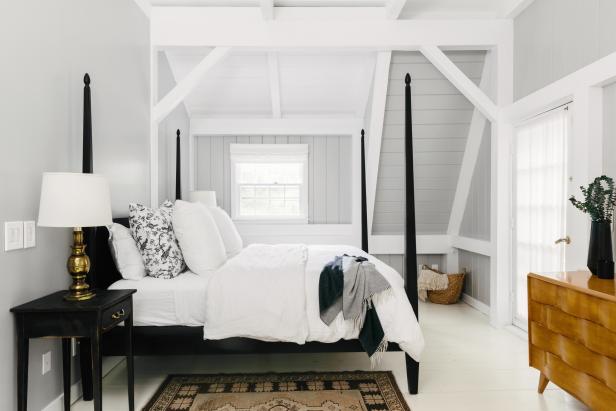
<point x="118" y="314"/>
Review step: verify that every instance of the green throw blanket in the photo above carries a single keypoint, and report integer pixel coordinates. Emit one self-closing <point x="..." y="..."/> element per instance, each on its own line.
<point x="349" y="284"/>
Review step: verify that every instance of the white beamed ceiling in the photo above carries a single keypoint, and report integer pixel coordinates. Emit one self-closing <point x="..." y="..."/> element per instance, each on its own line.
<point x="412" y="9"/>
<point x="312" y="84"/>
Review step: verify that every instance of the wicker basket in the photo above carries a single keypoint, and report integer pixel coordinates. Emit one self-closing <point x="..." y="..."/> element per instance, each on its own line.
<point x="452" y="293"/>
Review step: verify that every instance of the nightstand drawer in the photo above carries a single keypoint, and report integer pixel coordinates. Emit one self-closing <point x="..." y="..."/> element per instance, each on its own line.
<point x="116" y="314"/>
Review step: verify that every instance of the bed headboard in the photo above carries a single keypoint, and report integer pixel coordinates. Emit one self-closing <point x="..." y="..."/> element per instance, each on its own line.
<point x="104" y="271"/>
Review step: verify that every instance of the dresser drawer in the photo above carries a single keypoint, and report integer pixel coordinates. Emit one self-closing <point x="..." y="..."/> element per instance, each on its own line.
<point x="116" y="314"/>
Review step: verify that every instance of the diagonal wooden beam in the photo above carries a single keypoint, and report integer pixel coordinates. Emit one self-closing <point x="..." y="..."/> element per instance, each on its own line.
<point x="469" y="89"/>
<point x="375" y="132"/>
<point x="393" y="8"/>
<point x="187" y="84"/>
<point x="274" y="81"/>
<point x="267" y="9"/>
<point x="471" y="153"/>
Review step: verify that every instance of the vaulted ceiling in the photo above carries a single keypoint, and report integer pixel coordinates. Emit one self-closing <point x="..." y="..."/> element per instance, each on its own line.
<point x="278" y="84"/>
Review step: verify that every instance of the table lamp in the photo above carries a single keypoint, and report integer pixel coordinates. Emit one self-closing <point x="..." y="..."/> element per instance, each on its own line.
<point x="205" y="197"/>
<point x="75" y="200"/>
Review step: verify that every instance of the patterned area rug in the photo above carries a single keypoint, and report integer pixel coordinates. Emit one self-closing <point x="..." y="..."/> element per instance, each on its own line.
<point x="336" y="391"/>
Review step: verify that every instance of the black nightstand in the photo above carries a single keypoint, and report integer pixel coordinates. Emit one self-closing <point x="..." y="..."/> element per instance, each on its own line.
<point x="52" y="316"/>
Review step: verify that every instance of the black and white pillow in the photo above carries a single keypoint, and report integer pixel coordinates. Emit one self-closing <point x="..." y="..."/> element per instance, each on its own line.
<point x="153" y="231"/>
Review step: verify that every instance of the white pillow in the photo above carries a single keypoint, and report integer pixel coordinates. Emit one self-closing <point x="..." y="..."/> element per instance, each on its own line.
<point x="125" y="253"/>
<point x="200" y="241"/>
<point x="228" y="231"/>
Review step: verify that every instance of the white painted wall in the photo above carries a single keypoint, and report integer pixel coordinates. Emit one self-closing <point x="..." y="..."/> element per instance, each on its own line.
<point x="47" y="47"/>
<point x="329" y="172"/>
<point x="177" y="119"/>
<point x="609" y="137"/>
<point x="554" y="38"/>
<point x="441" y="118"/>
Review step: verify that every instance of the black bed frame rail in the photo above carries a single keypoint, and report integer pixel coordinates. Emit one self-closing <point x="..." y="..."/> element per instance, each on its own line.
<point x="183" y="340"/>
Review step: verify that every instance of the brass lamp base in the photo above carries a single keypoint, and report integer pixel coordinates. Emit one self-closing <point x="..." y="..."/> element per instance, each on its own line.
<point x="78" y="267"/>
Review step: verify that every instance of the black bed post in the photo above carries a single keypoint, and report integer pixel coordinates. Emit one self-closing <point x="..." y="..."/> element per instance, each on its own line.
<point x="412" y="367"/>
<point x="364" y="211"/>
<point x="178" y="167"/>
<point x="89" y="234"/>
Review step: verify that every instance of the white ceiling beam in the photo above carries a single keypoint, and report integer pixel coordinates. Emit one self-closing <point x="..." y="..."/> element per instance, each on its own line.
<point x="268" y="126"/>
<point x="473" y="245"/>
<point x="393" y="8"/>
<point x="245" y="27"/>
<point x="274" y="81"/>
<point x="394" y="244"/>
<point x="513" y="8"/>
<point x="469" y="89"/>
<point x="187" y="84"/>
<point x="267" y="9"/>
<point x="471" y="153"/>
<point x="375" y="132"/>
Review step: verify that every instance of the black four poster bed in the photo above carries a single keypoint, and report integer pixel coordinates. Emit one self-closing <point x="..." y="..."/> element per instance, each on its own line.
<point x="187" y="340"/>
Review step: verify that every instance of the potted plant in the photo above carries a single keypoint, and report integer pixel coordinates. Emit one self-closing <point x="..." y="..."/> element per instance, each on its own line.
<point x="600" y="199"/>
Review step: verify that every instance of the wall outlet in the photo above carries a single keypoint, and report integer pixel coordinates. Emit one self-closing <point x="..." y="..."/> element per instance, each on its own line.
<point x="46" y="362"/>
<point x="434" y="267"/>
<point x="13" y="235"/>
<point x="29" y="234"/>
<point x="74" y="347"/>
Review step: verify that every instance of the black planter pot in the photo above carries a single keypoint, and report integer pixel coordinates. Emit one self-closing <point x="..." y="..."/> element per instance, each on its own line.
<point x="600" y="259"/>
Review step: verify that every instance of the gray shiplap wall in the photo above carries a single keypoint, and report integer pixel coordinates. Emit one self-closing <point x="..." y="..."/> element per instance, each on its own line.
<point x="476" y="224"/>
<point x="441" y="118"/>
<point x="553" y="38"/>
<point x="476" y="219"/>
<point x="329" y="172"/>
<point x="477" y="281"/>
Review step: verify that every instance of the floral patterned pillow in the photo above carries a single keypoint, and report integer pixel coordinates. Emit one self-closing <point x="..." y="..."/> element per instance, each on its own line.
<point x="153" y="232"/>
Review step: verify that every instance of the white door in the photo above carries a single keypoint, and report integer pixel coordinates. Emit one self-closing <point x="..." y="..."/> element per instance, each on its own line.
<point x="540" y="202"/>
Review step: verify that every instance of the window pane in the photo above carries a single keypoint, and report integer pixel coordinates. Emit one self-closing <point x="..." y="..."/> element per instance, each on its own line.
<point x="269" y="173"/>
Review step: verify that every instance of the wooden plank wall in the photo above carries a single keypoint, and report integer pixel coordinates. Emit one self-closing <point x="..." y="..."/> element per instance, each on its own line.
<point x="329" y="172"/>
<point x="441" y="119"/>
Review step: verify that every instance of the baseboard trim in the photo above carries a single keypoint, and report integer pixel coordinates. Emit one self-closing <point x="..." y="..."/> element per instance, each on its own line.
<point x="476" y="304"/>
<point x="109" y="363"/>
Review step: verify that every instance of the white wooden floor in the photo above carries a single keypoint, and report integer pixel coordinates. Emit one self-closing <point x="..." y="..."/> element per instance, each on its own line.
<point x="467" y="365"/>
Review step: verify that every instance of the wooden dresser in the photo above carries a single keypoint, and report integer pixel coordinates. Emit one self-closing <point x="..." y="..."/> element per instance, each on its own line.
<point x="572" y="335"/>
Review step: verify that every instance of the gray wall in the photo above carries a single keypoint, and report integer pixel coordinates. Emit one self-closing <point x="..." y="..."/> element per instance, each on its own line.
<point x="396" y="261"/>
<point x="441" y="118"/>
<point x="476" y="219"/>
<point x="177" y="119"/>
<point x="50" y="46"/>
<point x="329" y="172"/>
<point x="476" y="224"/>
<point x="553" y="38"/>
<point x="477" y="281"/>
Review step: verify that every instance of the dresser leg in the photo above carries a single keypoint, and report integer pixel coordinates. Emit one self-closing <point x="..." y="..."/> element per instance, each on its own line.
<point x="543" y="382"/>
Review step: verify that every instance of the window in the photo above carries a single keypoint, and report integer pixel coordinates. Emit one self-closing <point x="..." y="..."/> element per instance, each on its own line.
<point x="269" y="182"/>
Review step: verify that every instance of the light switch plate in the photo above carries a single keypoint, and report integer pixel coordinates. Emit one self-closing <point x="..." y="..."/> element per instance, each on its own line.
<point x="29" y="234"/>
<point x="13" y="235"/>
<point x="46" y="363"/>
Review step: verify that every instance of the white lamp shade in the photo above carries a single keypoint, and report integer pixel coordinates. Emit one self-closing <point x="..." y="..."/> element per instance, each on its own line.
<point x="74" y="200"/>
<point x="205" y="197"/>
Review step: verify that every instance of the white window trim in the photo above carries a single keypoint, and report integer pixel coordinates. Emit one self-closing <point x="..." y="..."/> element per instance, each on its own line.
<point x="265" y="153"/>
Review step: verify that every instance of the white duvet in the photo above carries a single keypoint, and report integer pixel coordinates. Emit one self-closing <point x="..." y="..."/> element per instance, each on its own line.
<point x="270" y="293"/>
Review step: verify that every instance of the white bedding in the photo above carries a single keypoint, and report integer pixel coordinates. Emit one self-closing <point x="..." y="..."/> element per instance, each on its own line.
<point x="161" y="302"/>
<point x="269" y="292"/>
